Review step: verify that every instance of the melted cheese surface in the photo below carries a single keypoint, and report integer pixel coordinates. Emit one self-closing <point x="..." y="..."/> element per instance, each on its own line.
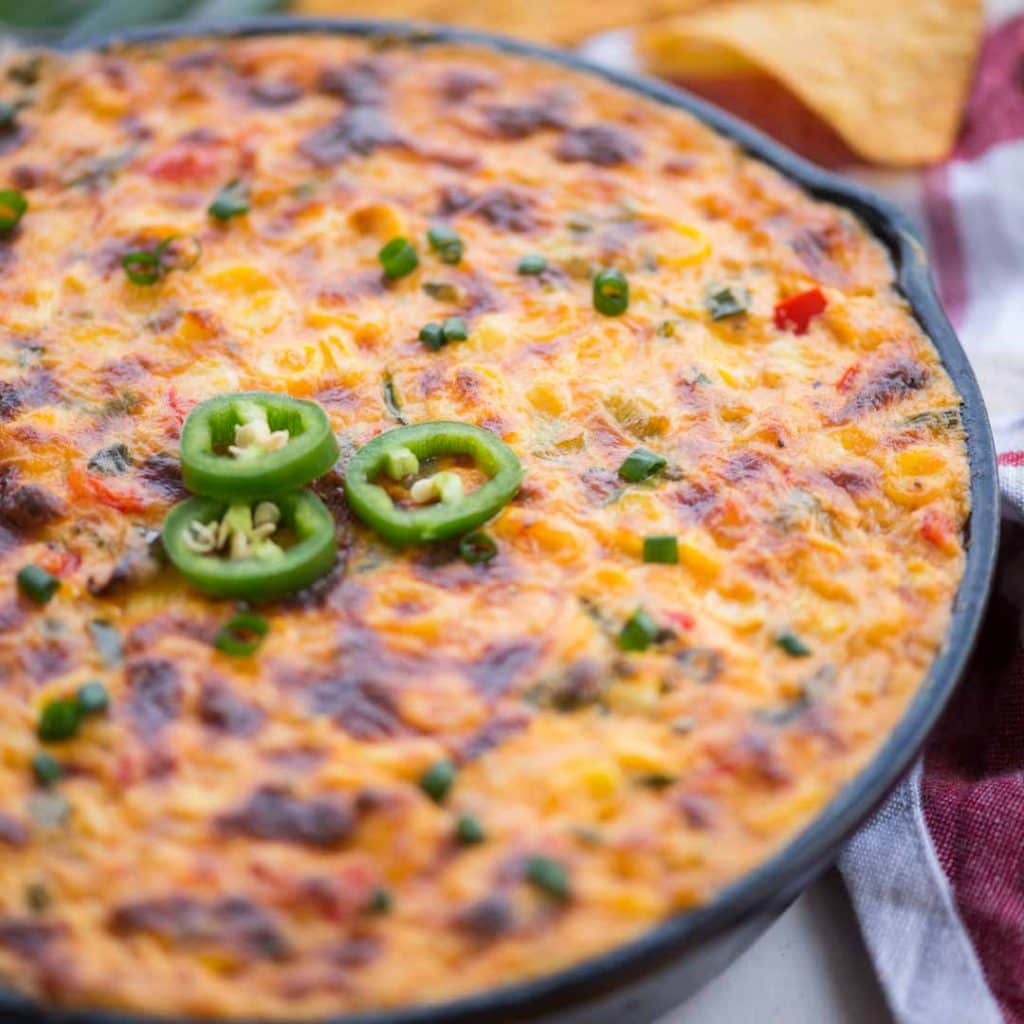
<point x="247" y="836"/>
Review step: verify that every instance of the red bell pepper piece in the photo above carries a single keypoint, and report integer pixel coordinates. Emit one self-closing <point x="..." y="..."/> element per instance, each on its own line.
<point x="796" y="313"/>
<point x="184" y="162"/>
<point x="124" y="499"/>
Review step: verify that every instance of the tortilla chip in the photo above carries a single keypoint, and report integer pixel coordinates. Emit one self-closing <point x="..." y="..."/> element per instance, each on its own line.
<point x="550" y="21"/>
<point x="890" y="76"/>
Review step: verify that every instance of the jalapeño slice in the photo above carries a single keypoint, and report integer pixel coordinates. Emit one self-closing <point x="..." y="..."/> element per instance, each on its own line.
<point x="260" y="568"/>
<point x="451" y="518"/>
<point x="255" y="444"/>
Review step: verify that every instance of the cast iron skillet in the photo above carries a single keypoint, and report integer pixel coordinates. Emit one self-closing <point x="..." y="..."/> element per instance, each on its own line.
<point x="636" y="982"/>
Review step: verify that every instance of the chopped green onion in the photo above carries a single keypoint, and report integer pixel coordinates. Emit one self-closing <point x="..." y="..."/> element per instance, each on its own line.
<point x="446" y="242"/>
<point x="432" y="335"/>
<point x="148" y="266"/>
<point x="469" y="831"/>
<point x="400" y="463"/>
<point x="13" y="205"/>
<point x="92" y="698"/>
<point x="438" y="780"/>
<point x="792" y="644"/>
<point x="59" y="721"/>
<point x="726" y="302"/>
<point x="142" y="267"/>
<point x="242" y="634"/>
<point x="476" y="548"/>
<point x="37" y="584"/>
<point x="611" y="292"/>
<point x="46" y="768"/>
<point x="231" y="201"/>
<point x="639" y="632"/>
<point x="532" y="264"/>
<point x="641" y="464"/>
<point x="398" y="258"/>
<point x="663" y="550"/>
<point x="549" y="876"/>
<point x="454" y="329"/>
<point x="381" y="900"/>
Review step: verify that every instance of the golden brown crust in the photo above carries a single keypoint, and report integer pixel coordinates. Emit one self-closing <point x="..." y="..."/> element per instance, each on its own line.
<point x="226" y="826"/>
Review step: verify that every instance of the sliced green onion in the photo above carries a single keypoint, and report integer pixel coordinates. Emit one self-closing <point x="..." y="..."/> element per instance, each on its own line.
<point x="455" y="329"/>
<point x="241" y="635"/>
<point x="726" y="302"/>
<point x="432" y="335"/>
<point x="469" y="831"/>
<point x="663" y="550"/>
<point x="611" y="292"/>
<point x="532" y="264"/>
<point x="59" y="721"/>
<point x="792" y="644"/>
<point x="93" y="698"/>
<point x="549" y="876"/>
<point x="438" y="780"/>
<point x="446" y="242"/>
<point x="13" y="205"/>
<point x="37" y="584"/>
<point x="398" y="258"/>
<point x="639" y="632"/>
<point x="46" y="768"/>
<point x="476" y="548"/>
<point x="640" y="464"/>
<point x="231" y="201"/>
<point x="142" y="267"/>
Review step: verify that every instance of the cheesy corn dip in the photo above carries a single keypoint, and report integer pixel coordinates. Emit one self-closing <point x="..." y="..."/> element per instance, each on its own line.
<point x="726" y="563"/>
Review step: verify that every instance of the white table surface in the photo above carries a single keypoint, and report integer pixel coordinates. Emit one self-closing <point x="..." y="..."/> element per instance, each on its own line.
<point x="810" y="967"/>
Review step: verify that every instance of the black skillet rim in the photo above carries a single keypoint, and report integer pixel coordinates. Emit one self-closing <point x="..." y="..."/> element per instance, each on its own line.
<point x="770" y="887"/>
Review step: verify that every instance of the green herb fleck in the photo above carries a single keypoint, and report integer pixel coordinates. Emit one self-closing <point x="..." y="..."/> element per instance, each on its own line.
<point x="639" y="632"/>
<point x="381" y="900"/>
<point x="46" y="768"/>
<point x="37" y="584"/>
<point x="93" y="698"/>
<point x="454" y="329"/>
<point x="477" y="548"/>
<point x="792" y="644"/>
<point x="231" y="201"/>
<point x="532" y="264"/>
<point x="726" y="302"/>
<point x="59" y="721"/>
<point x="549" y="876"/>
<point x="438" y="780"/>
<point x="13" y="205"/>
<point x="445" y="241"/>
<point x="469" y="831"/>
